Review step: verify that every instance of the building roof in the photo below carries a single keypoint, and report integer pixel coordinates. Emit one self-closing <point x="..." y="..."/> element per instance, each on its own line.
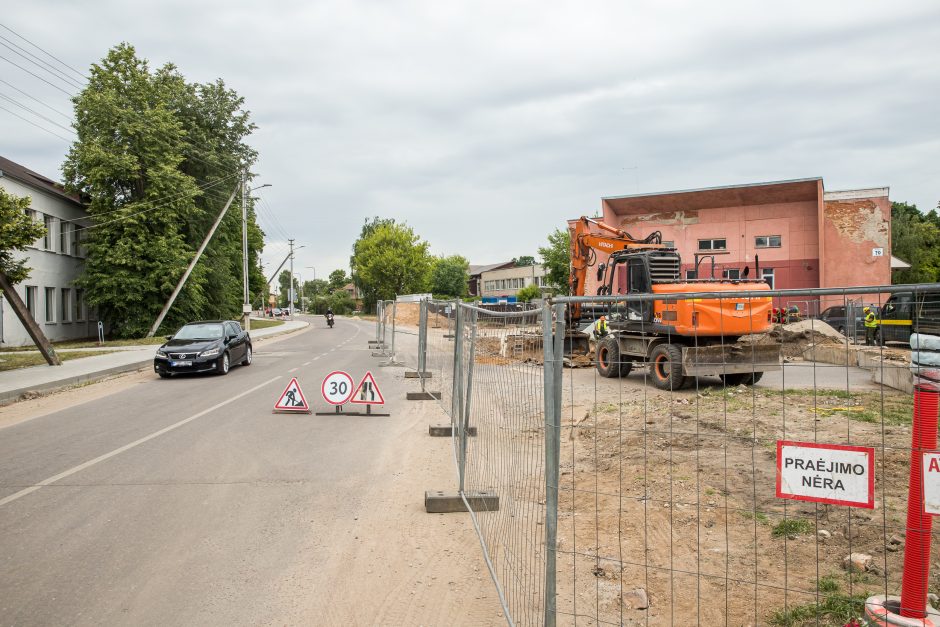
<point x="715" y="197"/>
<point x="475" y="270"/>
<point x="28" y="177"/>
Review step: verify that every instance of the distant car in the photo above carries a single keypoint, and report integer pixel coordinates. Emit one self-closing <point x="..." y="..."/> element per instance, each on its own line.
<point x="206" y="346"/>
<point x="276" y="312"/>
<point x="854" y="322"/>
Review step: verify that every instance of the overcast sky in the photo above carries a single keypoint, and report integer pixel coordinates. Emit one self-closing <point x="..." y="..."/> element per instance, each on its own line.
<point x="484" y="125"/>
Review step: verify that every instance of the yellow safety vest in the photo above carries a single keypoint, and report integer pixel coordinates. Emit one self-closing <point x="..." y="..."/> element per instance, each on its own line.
<point x="601" y="327"/>
<point x="870" y="320"/>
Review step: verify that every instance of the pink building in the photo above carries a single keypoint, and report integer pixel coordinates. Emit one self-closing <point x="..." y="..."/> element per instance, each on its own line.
<point x="793" y="233"/>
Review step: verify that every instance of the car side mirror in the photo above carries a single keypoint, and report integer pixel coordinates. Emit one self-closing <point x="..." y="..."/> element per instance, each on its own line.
<point x="168" y="337"/>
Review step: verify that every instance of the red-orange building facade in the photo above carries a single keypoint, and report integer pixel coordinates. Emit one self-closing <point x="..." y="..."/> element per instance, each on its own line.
<point x="794" y="233"/>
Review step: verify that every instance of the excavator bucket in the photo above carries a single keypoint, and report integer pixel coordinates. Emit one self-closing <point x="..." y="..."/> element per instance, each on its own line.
<point x="730" y="359"/>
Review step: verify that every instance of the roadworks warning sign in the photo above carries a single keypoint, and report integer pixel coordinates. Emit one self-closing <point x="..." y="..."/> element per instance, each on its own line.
<point x="826" y="473"/>
<point x="292" y="399"/>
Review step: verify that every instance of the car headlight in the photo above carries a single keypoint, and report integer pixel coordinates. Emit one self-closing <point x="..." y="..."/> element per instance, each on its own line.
<point x="161" y="354"/>
<point x="212" y="352"/>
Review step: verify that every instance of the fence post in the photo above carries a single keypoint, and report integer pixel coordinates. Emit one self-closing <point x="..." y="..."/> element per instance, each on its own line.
<point x="457" y="394"/>
<point x="465" y="420"/>
<point x="422" y="341"/>
<point x="378" y="321"/>
<point x="552" y="349"/>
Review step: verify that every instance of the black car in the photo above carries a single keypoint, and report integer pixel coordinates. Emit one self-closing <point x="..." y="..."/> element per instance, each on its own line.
<point x="207" y="346"/>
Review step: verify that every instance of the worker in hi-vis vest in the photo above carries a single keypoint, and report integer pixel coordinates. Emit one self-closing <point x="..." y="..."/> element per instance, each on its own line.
<point x="871" y="326"/>
<point x="600" y="327"/>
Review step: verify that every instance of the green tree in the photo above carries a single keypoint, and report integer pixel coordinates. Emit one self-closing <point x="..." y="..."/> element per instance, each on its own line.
<point x="525" y="260"/>
<point x="157" y="158"/>
<point x="316" y="287"/>
<point x="529" y="293"/>
<point x="557" y="260"/>
<point x="341" y="302"/>
<point x="450" y="276"/>
<point x="389" y="260"/>
<point x="283" y="280"/>
<point x="338" y="279"/>
<point x="17" y="231"/>
<point x="915" y="238"/>
<point x="368" y="227"/>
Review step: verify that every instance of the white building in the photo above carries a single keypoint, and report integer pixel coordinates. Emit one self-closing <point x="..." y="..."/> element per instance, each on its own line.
<point x="55" y="260"/>
<point x="508" y="281"/>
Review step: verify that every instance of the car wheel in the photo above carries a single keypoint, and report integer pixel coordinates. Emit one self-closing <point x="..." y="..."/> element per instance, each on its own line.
<point x="223" y="366"/>
<point x="164" y="375"/>
<point x="841" y="329"/>
<point x="666" y="367"/>
<point x="247" y="360"/>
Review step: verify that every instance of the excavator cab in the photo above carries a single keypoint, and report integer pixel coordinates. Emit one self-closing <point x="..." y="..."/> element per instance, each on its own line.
<point x="632" y="273"/>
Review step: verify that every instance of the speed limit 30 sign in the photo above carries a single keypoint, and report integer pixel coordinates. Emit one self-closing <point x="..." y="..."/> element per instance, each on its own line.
<point x="337" y="387"/>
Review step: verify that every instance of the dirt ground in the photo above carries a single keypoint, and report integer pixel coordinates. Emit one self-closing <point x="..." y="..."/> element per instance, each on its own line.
<point x="674" y="494"/>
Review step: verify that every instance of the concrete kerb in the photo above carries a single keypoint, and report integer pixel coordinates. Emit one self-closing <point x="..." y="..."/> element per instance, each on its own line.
<point x="93" y="376"/>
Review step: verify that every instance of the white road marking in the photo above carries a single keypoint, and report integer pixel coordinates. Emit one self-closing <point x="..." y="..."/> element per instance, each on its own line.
<point x="307" y="363"/>
<point x="127" y="447"/>
<point x="292" y="370"/>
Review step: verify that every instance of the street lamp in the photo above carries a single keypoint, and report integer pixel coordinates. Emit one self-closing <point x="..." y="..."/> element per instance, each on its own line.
<point x="246" y="298"/>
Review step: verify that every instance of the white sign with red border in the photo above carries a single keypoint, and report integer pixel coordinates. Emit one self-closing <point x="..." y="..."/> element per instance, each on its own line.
<point x="337" y="387"/>
<point x="930" y="463"/>
<point x="826" y="473"/>
<point x="292" y="398"/>
<point x="367" y="392"/>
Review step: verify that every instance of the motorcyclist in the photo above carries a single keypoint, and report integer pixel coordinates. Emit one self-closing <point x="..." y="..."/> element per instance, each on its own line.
<point x="329" y="316"/>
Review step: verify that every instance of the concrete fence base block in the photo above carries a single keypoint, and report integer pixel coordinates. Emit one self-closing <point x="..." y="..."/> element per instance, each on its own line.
<point x="440" y="502"/>
<point x="881" y="610"/>
<point x="391" y="363"/>
<point x="446" y="431"/>
<point x="423" y="396"/>
<point x="380" y="354"/>
<point x="449" y="337"/>
<point x="417" y="375"/>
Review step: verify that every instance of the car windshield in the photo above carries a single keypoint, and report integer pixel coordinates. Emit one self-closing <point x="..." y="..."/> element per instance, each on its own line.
<point x="203" y="331"/>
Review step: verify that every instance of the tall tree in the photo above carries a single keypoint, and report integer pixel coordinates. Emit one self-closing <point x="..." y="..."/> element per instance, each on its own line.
<point x="284" y="282"/>
<point x="157" y="158"/>
<point x="557" y="259"/>
<point x="389" y="260"/>
<point x="17" y="231"/>
<point x="915" y="238"/>
<point x="369" y="226"/>
<point x="524" y="260"/>
<point x="338" y="279"/>
<point x="450" y="276"/>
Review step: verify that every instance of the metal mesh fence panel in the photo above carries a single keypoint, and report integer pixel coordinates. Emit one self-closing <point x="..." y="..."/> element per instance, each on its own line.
<point x="500" y="396"/>
<point x="669" y="511"/>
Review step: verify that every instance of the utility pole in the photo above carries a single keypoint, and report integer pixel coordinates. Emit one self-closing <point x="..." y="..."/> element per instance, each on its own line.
<point x="246" y="304"/>
<point x="290" y="289"/>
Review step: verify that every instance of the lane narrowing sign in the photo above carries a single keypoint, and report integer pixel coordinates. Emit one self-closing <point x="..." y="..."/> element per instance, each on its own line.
<point x="367" y="392"/>
<point x="292" y="399"/>
<point x="337" y="388"/>
<point x="826" y="473"/>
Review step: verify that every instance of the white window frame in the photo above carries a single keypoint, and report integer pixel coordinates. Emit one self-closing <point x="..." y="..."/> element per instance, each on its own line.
<point x="50" y="303"/>
<point x="726" y="273"/>
<point x="768" y="273"/>
<point x="65" y="304"/>
<point x="32" y="299"/>
<point x="79" y="305"/>
<point x="65" y="240"/>
<point x="690" y="275"/>
<point x="768" y="241"/>
<point x="711" y="243"/>
<point x="48" y="240"/>
<point x="669" y="243"/>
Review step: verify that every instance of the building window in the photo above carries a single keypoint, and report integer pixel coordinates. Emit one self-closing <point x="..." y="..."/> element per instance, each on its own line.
<point x="49" y="223"/>
<point x="712" y="244"/>
<point x="767" y="241"/>
<point x="64" y="237"/>
<point x="65" y="311"/>
<point x="768" y="275"/>
<point x="76" y="240"/>
<point x="690" y="275"/>
<point x="32" y="295"/>
<point x="79" y="306"/>
<point x="669" y="243"/>
<point x="50" y="305"/>
<point x="732" y="273"/>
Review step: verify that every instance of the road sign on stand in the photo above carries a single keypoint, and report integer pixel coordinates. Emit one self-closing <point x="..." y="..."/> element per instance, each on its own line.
<point x="337" y="388"/>
<point x="367" y="392"/>
<point x="292" y="400"/>
<point x="826" y="473"/>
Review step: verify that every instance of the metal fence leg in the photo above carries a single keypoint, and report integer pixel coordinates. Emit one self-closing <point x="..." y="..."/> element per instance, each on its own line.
<point x="552" y="370"/>
<point x="391" y="354"/>
<point x="422" y="372"/>
<point x="465" y="419"/>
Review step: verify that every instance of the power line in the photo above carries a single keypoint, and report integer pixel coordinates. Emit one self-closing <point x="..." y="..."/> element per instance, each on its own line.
<point x="34" y="124"/>
<point x="36" y="113"/>
<point x="48" y="54"/>
<point x="44" y="65"/>
<point x="37" y="76"/>
<point x="31" y="97"/>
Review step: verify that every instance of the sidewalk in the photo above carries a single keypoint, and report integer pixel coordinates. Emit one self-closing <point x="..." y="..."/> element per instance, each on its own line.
<point x="15" y="383"/>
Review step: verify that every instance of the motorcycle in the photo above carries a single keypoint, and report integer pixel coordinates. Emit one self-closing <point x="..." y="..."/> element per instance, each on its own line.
<point x="329" y="319"/>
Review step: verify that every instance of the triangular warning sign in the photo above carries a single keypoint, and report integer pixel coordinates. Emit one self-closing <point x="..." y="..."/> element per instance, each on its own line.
<point x="292" y="399"/>
<point x="367" y="393"/>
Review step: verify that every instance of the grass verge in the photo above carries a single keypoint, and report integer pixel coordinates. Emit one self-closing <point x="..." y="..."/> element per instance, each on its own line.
<point x="14" y="361"/>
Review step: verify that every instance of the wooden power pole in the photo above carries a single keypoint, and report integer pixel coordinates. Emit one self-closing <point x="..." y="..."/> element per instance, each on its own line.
<point x="19" y="308"/>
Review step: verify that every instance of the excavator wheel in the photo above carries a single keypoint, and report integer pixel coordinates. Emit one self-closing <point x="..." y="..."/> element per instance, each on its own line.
<point x="666" y="367"/>
<point x="741" y="378"/>
<point x="608" y="357"/>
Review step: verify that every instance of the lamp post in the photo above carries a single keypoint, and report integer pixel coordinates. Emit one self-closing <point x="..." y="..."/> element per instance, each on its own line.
<point x="246" y="297"/>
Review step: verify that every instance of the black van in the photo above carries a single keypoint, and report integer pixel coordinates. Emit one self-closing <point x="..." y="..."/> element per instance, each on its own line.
<point x="909" y="312"/>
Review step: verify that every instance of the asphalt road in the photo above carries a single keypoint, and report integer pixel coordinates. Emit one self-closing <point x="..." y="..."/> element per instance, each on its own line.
<point x="187" y="501"/>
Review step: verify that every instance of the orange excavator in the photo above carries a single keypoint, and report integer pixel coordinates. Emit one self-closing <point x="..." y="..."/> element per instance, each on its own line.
<point x="679" y="338"/>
